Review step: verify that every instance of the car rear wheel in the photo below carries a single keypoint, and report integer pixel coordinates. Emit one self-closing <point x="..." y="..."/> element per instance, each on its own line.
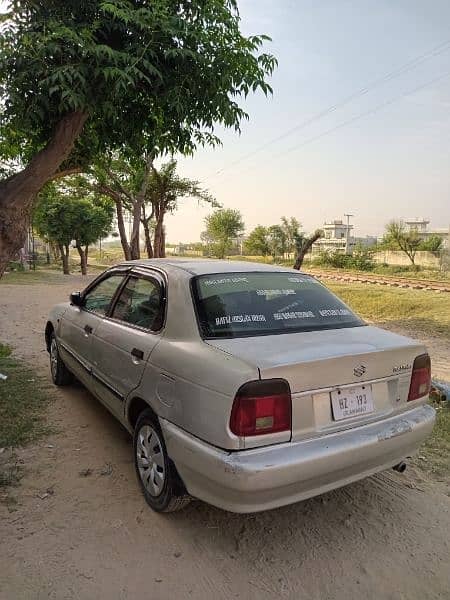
<point x="156" y="473"/>
<point x="60" y="373"/>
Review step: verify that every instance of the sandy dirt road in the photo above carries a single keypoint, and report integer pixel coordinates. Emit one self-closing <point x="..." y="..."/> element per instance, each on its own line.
<point x="94" y="537"/>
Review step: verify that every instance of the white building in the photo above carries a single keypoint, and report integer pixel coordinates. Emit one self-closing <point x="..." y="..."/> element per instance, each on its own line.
<point x="420" y="225"/>
<point x="335" y="238"/>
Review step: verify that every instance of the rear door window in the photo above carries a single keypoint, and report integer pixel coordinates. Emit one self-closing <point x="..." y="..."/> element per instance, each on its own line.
<point x="140" y="303"/>
<point x="265" y="303"/>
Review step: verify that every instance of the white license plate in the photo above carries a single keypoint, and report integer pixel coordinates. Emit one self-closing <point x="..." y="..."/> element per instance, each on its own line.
<point x="352" y="402"/>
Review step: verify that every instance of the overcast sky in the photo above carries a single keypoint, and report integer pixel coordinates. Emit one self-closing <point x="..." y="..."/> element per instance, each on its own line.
<point x="393" y="162"/>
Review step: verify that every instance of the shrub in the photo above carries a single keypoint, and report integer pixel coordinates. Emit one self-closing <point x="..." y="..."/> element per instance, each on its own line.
<point x="362" y="259"/>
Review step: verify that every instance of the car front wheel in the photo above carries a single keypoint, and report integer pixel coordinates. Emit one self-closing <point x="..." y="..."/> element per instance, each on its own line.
<point x="60" y="373"/>
<point x="156" y="474"/>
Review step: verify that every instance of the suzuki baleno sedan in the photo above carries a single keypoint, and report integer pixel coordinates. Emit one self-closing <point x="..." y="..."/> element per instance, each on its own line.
<point x="248" y="386"/>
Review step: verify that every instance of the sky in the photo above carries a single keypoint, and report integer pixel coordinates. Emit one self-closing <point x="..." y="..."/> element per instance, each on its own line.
<point x="392" y="163"/>
<point x="383" y="154"/>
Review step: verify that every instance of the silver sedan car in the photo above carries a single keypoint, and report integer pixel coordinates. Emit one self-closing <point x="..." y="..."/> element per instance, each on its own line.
<point x="245" y="385"/>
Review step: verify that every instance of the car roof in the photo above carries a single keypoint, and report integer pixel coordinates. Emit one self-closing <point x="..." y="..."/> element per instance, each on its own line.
<point x="205" y="266"/>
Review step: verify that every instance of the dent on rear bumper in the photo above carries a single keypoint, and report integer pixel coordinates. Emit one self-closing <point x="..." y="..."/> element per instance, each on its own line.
<point x="268" y="477"/>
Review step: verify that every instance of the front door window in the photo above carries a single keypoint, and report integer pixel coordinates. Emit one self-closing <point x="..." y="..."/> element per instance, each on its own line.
<point x="99" y="298"/>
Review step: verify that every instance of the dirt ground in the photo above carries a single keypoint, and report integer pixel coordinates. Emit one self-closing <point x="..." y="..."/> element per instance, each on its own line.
<point x="93" y="537"/>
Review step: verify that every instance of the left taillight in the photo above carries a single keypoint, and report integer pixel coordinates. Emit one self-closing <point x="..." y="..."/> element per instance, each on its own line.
<point x="421" y="378"/>
<point x="261" y="407"/>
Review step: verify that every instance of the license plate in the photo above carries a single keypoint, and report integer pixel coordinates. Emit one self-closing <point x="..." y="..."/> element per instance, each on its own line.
<point x="352" y="402"/>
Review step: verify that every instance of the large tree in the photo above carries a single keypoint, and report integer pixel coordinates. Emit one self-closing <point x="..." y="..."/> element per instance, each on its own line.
<point x="257" y="242"/>
<point x="165" y="189"/>
<point x="78" y="78"/>
<point x="66" y="215"/>
<point x="221" y="227"/>
<point x="397" y="237"/>
<point x="145" y="192"/>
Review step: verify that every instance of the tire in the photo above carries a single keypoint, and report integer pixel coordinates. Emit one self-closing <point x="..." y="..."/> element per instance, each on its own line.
<point x="157" y="476"/>
<point x="59" y="372"/>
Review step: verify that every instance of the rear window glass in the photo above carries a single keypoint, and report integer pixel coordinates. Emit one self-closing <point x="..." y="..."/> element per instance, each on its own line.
<point x="264" y="303"/>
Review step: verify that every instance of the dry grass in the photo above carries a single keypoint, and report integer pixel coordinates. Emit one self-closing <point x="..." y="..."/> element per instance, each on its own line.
<point x="421" y="310"/>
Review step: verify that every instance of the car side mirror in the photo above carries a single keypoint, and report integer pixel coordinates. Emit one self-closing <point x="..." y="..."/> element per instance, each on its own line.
<point x="76" y="299"/>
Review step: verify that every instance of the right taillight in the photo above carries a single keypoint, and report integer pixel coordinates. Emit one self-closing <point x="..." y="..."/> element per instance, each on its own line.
<point x="420" y="378"/>
<point x="261" y="407"/>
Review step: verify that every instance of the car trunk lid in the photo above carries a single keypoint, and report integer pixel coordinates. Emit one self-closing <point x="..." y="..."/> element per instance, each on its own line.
<point x="315" y="364"/>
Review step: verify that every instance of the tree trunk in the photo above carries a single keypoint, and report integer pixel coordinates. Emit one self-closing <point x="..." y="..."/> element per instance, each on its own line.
<point x="148" y="239"/>
<point x="55" y="251"/>
<point x="306" y="246"/>
<point x="122" y="230"/>
<point x="18" y="192"/>
<point x="135" y="233"/>
<point x="159" y="243"/>
<point x="138" y="205"/>
<point x="64" y="251"/>
<point x="83" y="259"/>
<point x="162" y="252"/>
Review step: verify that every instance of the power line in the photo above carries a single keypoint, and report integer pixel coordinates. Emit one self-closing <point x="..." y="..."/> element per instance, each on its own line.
<point x="433" y="52"/>
<point x="353" y="119"/>
<point x="362" y="115"/>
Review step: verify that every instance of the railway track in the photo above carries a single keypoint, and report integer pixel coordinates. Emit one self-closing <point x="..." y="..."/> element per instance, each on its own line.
<point x="400" y="282"/>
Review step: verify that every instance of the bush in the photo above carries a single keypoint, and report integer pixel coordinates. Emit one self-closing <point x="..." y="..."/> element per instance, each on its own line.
<point x="362" y="259"/>
<point x="15" y="265"/>
<point x="335" y="259"/>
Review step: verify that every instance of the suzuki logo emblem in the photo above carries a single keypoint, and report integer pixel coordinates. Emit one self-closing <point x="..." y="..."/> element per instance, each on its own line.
<point x="359" y="371"/>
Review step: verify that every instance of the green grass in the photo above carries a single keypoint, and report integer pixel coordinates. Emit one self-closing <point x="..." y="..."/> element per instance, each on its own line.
<point x="24" y="397"/>
<point x="434" y="455"/>
<point x="33" y="277"/>
<point x="424" y="311"/>
<point x="5" y="351"/>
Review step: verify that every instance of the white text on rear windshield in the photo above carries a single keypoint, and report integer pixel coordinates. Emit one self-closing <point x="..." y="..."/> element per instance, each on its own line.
<point x="266" y="303"/>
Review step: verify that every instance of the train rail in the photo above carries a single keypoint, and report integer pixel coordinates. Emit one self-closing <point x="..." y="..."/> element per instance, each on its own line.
<point x="392" y="281"/>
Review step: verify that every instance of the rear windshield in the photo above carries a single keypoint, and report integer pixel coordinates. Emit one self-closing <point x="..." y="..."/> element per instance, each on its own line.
<point x="251" y="304"/>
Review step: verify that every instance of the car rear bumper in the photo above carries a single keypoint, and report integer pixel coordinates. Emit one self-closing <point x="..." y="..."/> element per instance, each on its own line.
<point x="269" y="477"/>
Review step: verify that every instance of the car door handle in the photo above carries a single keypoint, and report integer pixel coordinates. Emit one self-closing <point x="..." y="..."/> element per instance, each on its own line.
<point x="136" y="353"/>
<point x="87" y="330"/>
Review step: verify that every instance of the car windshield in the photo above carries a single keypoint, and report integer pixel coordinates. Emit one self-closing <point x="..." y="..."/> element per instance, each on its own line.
<point x="266" y="303"/>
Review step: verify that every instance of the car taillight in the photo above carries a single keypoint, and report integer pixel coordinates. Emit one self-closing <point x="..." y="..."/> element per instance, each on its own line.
<point x="420" y="378"/>
<point x="261" y="407"/>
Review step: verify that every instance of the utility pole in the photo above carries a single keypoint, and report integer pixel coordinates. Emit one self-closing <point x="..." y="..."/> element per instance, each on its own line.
<point x="347" y="233"/>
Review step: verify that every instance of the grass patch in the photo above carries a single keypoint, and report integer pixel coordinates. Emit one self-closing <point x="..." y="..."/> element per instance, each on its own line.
<point x="32" y="277"/>
<point x="24" y="397"/>
<point x="421" y="310"/>
<point x="434" y="456"/>
<point x="5" y="351"/>
<point x="50" y="275"/>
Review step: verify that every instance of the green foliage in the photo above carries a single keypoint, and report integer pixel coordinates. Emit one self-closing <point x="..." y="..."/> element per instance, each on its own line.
<point x="398" y="238"/>
<point x="166" y="187"/>
<point x="157" y="74"/>
<point x="293" y="237"/>
<point x="360" y="260"/>
<point x="277" y="241"/>
<point x="432" y="244"/>
<point x="221" y="227"/>
<point x="334" y="259"/>
<point x="257" y="243"/>
<point x="71" y="213"/>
